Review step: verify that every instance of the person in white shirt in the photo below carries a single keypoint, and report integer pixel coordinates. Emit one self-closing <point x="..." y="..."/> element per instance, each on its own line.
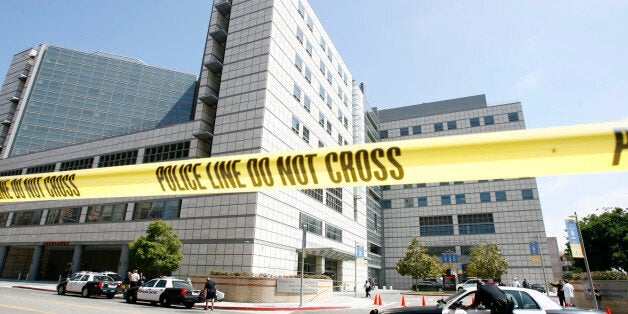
<point x="568" y="289"/>
<point x="135" y="277"/>
<point x="515" y="283"/>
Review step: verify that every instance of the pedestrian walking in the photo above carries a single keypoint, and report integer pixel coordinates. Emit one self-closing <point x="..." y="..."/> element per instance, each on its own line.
<point x="560" y="292"/>
<point x="210" y="292"/>
<point x="515" y="283"/>
<point x="569" y="296"/>
<point x="367" y="288"/>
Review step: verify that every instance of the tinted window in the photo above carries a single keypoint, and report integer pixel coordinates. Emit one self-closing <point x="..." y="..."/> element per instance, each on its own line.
<point x="150" y="283"/>
<point x="161" y="284"/>
<point x="182" y="285"/>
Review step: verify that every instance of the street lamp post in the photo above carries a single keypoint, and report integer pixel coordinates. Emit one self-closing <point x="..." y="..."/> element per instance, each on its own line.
<point x="302" y="262"/>
<point x="586" y="263"/>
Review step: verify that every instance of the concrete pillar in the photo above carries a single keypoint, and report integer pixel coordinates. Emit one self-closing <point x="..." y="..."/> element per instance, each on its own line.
<point x="125" y="260"/>
<point x="33" y="271"/>
<point x="320" y="265"/>
<point x="77" y="259"/>
<point x="4" y="252"/>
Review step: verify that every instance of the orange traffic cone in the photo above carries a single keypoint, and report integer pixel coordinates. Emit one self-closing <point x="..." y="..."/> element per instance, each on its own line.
<point x="375" y="299"/>
<point x="403" y="301"/>
<point x="423" y="302"/>
<point x="608" y="310"/>
<point x="379" y="300"/>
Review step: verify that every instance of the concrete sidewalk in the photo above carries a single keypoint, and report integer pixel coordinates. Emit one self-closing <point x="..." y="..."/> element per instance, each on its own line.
<point x="340" y="300"/>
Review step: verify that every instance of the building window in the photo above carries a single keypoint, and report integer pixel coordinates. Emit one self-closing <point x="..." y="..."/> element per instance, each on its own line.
<point x="157" y="210"/>
<point x="308" y="47"/>
<point x="323" y="43"/>
<point x="296" y="125"/>
<point x="106" y="213"/>
<point x="298" y="62"/>
<point x="386" y="204"/>
<point x="300" y="34"/>
<point x="329" y="127"/>
<point x="329" y="101"/>
<point x="408" y="186"/>
<point x="77" y="164"/>
<point x="500" y="196"/>
<point x="329" y="77"/>
<point x="63" y="216"/>
<point x="322" y="67"/>
<point x="10" y="173"/>
<point x="438" y="126"/>
<point x="329" y="54"/>
<point x="320" y="144"/>
<point x="458" y="182"/>
<point x="421" y="185"/>
<point x="333" y="199"/>
<point x="443" y="183"/>
<point x="321" y="119"/>
<point x="167" y="152"/>
<point x="513" y="117"/>
<point x="340" y="139"/>
<point x="383" y="134"/>
<point x="474" y="122"/>
<point x="422" y="201"/>
<point x="340" y="115"/>
<point x="297" y="92"/>
<point x="445" y="200"/>
<point x="333" y="233"/>
<point x="345" y="122"/>
<point x="41" y="169"/>
<point x="307" y="103"/>
<point x="403" y="131"/>
<point x="408" y="202"/>
<point x="310" y="23"/>
<point x="118" y="159"/>
<point x="485" y="197"/>
<point x="26" y="218"/>
<point x="461" y="199"/>
<point x="345" y="100"/>
<point x="385" y="187"/>
<point x="308" y="74"/>
<point x="321" y="92"/>
<point x="416" y="129"/>
<point x="489" y="120"/>
<point x="452" y="125"/>
<point x="436" y="225"/>
<point x="313" y="225"/>
<point x="306" y="134"/>
<point x="301" y="9"/>
<point x="4" y="217"/>
<point x="527" y="194"/>
<point x="476" y="224"/>
<point x="316" y="194"/>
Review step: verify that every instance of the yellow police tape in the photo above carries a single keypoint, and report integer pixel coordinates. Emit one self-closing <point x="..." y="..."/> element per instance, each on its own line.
<point x="511" y="154"/>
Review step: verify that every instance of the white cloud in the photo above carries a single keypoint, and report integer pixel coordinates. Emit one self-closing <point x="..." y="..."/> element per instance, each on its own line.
<point x="529" y="81"/>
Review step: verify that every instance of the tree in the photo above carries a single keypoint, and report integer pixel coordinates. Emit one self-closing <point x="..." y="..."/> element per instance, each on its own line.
<point x="605" y="240"/>
<point x="418" y="264"/>
<point x="487" y="262"/>
<point x="159" y="251"/>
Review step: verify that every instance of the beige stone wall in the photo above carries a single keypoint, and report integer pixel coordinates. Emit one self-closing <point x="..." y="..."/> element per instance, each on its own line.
<point x="263" y="290"/>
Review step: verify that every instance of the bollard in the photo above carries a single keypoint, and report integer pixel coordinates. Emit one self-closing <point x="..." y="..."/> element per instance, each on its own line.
<point x="391" y="288"/>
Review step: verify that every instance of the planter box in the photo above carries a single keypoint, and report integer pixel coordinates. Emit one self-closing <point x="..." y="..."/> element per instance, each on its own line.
<point x="614" y="294"/>
<point x="265" y="290"/>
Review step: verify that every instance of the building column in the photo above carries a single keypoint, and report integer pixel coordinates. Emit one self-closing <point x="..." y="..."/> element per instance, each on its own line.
<point x="125" y="260"/>
<point x="4" y="252"/>
<point x="33" y="271"/>
<point x="320" y="265"/>
<point x="77" y="258"/>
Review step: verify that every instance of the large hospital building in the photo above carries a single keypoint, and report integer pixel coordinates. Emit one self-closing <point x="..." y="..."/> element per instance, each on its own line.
<point x="271" y="80"/>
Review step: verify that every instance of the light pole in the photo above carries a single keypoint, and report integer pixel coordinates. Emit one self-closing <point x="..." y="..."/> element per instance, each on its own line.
<point x="304" y="227"/>
<point x="542" y="266"/>
<point x="586" y="263"/>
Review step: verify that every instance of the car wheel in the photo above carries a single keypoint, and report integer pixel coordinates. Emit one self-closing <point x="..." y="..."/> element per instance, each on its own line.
<point x="110" y="295"/>
<point x="130" y="298"/>
<point x="61" y="290"/>
<point x="85" y="292"/>
<point x="165" y="301"/>
<point x="459" y="288"/>
<point x="189" y="305"/>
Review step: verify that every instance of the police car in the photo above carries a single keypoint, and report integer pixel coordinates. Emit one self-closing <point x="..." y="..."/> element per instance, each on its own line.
<point x="88" y="283"/>
<point x="166" y="291"/>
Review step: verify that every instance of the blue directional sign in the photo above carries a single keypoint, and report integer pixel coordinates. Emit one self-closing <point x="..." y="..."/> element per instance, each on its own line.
<point x="359" y="251"/>
<point x="449" y="258"/>
<point x="534" y="248"/>
<point x="445" y="258"/>
<point x="454" y="258"/>
<point x="572" y="232"/>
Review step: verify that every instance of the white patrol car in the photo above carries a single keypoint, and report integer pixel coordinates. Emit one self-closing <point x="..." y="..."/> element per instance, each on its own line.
<point x="88" y="283"/>
<point x="166" y="291"/>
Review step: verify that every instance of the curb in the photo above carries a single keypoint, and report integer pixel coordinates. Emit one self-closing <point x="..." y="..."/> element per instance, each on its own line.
<point x="233" y="308"/>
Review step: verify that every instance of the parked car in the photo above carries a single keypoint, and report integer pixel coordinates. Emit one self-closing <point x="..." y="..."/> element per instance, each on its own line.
<point x="88" y="283"/>
<point x="166" y="291"/>
<point x="471" y="283"/>
<point x="427" y="285"/>
<point x="538" y="287"/>
<point x="523" y="301"/>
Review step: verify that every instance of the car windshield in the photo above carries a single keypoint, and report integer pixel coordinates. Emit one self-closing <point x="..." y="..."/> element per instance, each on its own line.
<point x="115" y="277"/>
<point x="442" y="302"/>
<point x="182" y="285"/>
<point x="102" y="278"/>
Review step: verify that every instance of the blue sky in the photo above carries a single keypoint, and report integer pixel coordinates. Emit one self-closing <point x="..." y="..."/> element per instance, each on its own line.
<point x="565" y="61"/>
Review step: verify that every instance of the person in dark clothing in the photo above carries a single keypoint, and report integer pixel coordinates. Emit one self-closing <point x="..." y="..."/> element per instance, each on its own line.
<point x="598" y="296"/>
<point x="210" y="292"/>
<point x="560" y="292"/>
<point x="526" y="284"/>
